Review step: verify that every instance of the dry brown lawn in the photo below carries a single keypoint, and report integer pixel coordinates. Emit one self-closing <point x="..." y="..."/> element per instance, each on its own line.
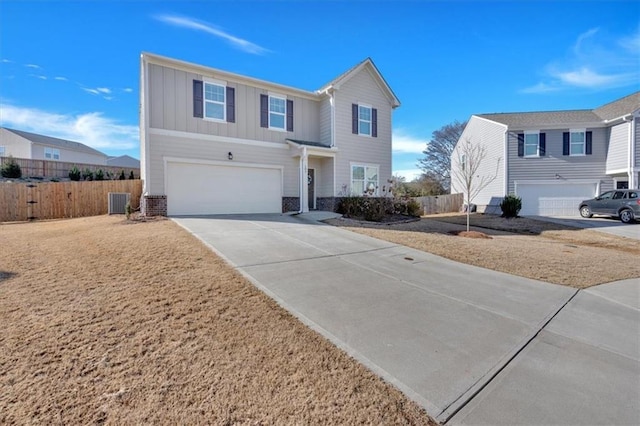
<point x="525" y="247"/>
<point x="105" y="321"/>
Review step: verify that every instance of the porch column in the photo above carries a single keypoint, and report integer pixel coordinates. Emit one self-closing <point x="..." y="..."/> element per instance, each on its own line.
<point x="304" y="188"/>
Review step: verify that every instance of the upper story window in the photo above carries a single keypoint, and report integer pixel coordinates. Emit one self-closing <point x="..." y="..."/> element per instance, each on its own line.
<point x="276" y="112"/>
<point x="463" y="162"/>
<point x="51" y="153"/>
<point x="214" y="100"/>
<point x="577" y="142"/>
<point x="364" y="120"/>
<point x="532" y="144"/>
<point x="2" y="151"/>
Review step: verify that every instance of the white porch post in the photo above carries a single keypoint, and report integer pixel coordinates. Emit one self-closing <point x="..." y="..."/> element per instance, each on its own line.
<point x="304" y="188"/>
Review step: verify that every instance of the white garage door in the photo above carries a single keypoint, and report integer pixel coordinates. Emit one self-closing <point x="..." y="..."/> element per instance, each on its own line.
<point x="553" y="199"/>
<point x="194" y="189"/>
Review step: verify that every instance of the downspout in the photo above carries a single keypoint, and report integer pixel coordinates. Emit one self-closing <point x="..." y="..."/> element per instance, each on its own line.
<point x="506" y="163"/>
<point x="633" y="181"/>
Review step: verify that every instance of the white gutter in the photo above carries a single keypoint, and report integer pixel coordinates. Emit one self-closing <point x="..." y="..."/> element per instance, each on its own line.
<point x="506" y="163"/>
<point x="633" y="184"/>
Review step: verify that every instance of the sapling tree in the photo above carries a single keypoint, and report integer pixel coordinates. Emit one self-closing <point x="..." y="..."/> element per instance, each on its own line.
<point x="467" y="173"/>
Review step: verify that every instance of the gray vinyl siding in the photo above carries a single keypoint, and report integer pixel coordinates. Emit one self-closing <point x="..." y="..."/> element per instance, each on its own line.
<point x="636" y="122"/>
<point x="171" y="108"/>
<point x="491" y="135"/>
<point x="209" y="150"/>
<point x="325" y="121"/>
<point x="618" y="153"/>
<point x="588" y="167"/>
<point x="324" y="175"/>
<point x="14" y="145"/>
<point x="361" y="88"/>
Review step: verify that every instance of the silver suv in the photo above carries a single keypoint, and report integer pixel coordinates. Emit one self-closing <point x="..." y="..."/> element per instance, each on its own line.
<point x="622" y="203"/>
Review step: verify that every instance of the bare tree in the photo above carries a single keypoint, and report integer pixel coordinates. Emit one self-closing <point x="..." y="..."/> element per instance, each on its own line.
<point x="466" y="171"/>
<point x="437" y="155"/>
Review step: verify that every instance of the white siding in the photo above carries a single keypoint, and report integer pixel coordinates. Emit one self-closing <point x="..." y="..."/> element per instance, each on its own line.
<point x="14" y="145"/>
<point x="618" y="152"/>
<point x="491" y="136"/>
<point x="69" y="156"/>
<point x="362" y="88"/>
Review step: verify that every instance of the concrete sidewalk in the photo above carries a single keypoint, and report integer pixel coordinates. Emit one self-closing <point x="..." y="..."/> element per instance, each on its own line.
<point x="439" y="330"/>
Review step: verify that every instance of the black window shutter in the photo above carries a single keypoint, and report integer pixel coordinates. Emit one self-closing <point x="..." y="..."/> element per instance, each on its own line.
<point x="289" y="115"/>
<point x="520" y="144"/>
<point x="542" y="146"/>
<point x="264" y="111"/>
<point x="198" y="106"/>
<point x="374" y="122"/>
<point x="589" y="144"/>
<point x="231" y="105"/>
<point x="565" y="143"/>
<point x="354" y="119"/>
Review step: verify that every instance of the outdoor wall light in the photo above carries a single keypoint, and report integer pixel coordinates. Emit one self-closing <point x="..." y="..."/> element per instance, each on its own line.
<point x="230" y="155"/>
<point x="557" y="175"/>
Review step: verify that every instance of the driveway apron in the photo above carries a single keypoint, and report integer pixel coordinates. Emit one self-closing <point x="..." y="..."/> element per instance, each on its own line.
<point x="438" y="330"/>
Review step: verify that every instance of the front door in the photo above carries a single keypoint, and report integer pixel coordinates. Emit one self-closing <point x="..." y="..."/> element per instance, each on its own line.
<point x="311" y="184"/>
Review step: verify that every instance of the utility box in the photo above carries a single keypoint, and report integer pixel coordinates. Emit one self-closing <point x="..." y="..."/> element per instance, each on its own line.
<point x="118" y="201"/>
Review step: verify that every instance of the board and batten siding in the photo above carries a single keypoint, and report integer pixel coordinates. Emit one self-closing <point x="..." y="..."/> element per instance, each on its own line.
<point x="170" y="104"/>
<point x="361" y="88"/>
<point x="618" y="152"/>
<point x="491" y="135"/>
<point x="568" y="168"/>
<point x="209" y="149"/>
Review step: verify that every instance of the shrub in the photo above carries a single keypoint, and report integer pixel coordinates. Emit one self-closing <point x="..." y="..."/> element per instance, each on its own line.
<point x="131" y="175"/>
<point x="99" y="175"/>
<point x="122" y="176"/>
<point x="74" y="173"/>
<point x="375" y="209"/>
<point x="11" y="169"/>
<point x="87" y="174"/>
<point x="511" y="206"/>
<point x="128" y="210"/>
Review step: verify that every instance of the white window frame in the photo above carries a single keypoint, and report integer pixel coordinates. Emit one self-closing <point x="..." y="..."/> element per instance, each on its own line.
<point x="2" y="151"/>
<point x="219" y="83"/>
<point x="530" y="133"/>
<point x="361" y="120"/>
<point x="463" y="162"/>
<point x="51" y="153"/>
<point x="283" y="98"/>
<point x="364" y="181"/>
<point x="584" y="142"/>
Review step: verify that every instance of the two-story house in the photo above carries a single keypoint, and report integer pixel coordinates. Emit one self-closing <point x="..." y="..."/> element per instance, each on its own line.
<point x="554" y="159"/>
<point x="215" y="142"/>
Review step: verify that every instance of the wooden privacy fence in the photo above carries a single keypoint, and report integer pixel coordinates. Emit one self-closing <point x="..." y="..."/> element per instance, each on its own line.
<point x="446" y="203"/>
<point x="60" y="169"/>
<point x="21" y="201"/>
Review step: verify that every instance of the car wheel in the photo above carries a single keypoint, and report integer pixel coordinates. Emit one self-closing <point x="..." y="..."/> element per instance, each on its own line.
<point x="626" y="216"/>
<point x="585" y="211"/>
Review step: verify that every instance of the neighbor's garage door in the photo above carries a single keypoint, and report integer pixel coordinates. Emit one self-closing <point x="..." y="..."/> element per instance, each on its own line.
<point x="553" y="199"/>
<point x="194" y="189"/>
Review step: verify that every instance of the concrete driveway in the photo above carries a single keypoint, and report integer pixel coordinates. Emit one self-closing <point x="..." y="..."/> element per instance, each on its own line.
<point x="597" y="223"/>
<point x="469" y="344"/>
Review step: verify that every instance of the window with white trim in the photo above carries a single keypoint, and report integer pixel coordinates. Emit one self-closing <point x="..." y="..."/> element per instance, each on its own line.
<point x="214" y="101"/>
<point x="51" y="153"/>
<point x="577" y="142"/>
<point x="2" y="151"/>
<point x="364" y="120"/>
<point x="531" y="144"/>
<point x="277" y="112"/>
<point x="364" y="179"/>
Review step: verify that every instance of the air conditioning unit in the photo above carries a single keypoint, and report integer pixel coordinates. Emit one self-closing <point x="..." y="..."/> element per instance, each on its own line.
<point x="117" y="201"/>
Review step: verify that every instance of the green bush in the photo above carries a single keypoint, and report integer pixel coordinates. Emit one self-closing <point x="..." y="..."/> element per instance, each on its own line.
<point x="87" y="174"/>
<point x="122" y="176"/>
<point x="131" y="175"/>
<point x="375" y="209"/>
<point x="128" y="210"/>
<point x="74" y="173"/>
<point x="510" y="206"/>
<point x="99" y="175"/>
<point x="11" y="170"/>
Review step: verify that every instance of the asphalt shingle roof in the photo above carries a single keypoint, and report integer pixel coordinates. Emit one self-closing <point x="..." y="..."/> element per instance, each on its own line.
<point x="60" y="143"/>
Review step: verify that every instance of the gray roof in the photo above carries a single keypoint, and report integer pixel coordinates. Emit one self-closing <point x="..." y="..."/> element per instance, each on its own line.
<point x="59" y="143"/>
<point x="125" y="161"/>
<point x="308" y="143"/>
<point x="610" y="111"/>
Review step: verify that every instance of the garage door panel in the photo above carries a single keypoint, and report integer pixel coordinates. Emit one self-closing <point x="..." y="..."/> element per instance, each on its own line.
<point x="194" y="189"/>
<point x="553" y="199"/>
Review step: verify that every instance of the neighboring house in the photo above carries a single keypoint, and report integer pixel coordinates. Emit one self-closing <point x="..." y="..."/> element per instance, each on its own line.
<point x="555" y="159"/>
<point x="124" y="161"/>
<point x="216" y="142"/>
<point x="32" y="146"/>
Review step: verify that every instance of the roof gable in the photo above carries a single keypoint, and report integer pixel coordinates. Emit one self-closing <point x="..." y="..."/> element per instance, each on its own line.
<point x="621" y="107"/>
<point x="55" y="142"/>
<point x="366" y="65"/>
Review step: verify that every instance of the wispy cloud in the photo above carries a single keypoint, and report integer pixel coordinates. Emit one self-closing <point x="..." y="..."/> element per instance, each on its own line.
<point x="7" y="61"/>
<point x="193" y="24"/>
<point x="34" y="66"/>
<point x="92" y="129"/>
<point x="595" y="61"/>
<point x="61" y="78"/>
<point x="41" y="77"/>
<point x="127" y="90"/>
<point x="105" y="92"/>
<point x="403" y="142"/>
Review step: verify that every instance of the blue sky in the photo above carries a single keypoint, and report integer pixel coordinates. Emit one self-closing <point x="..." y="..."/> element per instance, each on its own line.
<point x="70" y="69"/>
